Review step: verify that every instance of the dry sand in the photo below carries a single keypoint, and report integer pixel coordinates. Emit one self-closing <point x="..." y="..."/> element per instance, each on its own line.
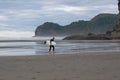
<point x="88" y="66"/>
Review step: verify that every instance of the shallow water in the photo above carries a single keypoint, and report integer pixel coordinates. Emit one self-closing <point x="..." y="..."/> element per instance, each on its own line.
<point x="62" y="47"/>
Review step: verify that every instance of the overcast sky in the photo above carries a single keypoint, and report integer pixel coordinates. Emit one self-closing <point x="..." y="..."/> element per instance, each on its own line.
<point x="21" y="17"/>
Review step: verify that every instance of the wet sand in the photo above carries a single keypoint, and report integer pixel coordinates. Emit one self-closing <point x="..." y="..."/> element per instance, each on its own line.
<point x="83" y="66"/>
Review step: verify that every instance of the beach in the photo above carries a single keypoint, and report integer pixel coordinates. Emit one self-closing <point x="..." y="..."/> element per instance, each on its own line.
<point x="87" y="66"/>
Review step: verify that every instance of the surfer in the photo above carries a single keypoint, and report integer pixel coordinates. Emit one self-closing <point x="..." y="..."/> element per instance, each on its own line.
<point x="52" y="45"/>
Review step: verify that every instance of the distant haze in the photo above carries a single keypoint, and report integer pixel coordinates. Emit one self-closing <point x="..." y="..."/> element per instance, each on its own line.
<point x="20" y="18"/>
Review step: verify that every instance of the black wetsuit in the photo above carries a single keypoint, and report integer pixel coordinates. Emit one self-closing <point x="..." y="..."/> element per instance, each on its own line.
<point x="52" y="46"/>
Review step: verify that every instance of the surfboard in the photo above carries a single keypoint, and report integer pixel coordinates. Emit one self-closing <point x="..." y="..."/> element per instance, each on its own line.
<point x="48" y="42"/>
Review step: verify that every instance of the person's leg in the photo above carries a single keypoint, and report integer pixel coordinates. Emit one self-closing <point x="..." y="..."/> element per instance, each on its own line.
<point x="50" y="48"/>
<point x="53" y="48"/>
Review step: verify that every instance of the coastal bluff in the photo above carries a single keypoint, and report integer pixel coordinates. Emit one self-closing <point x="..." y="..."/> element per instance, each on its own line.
<point x="97" y="25"/>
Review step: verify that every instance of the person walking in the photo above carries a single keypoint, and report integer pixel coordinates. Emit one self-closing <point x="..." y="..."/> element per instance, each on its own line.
<point x="52" y="47"/>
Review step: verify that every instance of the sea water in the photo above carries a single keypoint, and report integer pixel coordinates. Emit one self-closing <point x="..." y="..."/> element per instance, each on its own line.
<point x="62" y="47"/>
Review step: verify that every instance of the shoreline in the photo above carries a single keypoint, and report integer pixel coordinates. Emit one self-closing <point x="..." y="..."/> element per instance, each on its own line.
<point x="82" y="66"/>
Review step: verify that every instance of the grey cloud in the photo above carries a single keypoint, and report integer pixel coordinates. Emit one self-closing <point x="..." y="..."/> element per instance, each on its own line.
<point x="35" y="12"/>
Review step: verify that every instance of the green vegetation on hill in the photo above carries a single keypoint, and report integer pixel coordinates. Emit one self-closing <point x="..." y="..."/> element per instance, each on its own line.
<point x="48" y="28"/>
<point x="99" y="24"/>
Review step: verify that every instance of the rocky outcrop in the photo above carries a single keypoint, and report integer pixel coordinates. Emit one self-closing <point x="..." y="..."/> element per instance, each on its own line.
<point x="89" y="37"/>
<point x="116" y="29"/>
<point x="99" y="24"/>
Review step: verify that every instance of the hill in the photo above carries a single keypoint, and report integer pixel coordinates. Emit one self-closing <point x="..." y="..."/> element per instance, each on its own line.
<point x="99" y="24"/>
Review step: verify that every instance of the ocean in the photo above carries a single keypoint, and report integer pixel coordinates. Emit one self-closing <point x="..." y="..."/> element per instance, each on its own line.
<point x="13" y="47"/>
